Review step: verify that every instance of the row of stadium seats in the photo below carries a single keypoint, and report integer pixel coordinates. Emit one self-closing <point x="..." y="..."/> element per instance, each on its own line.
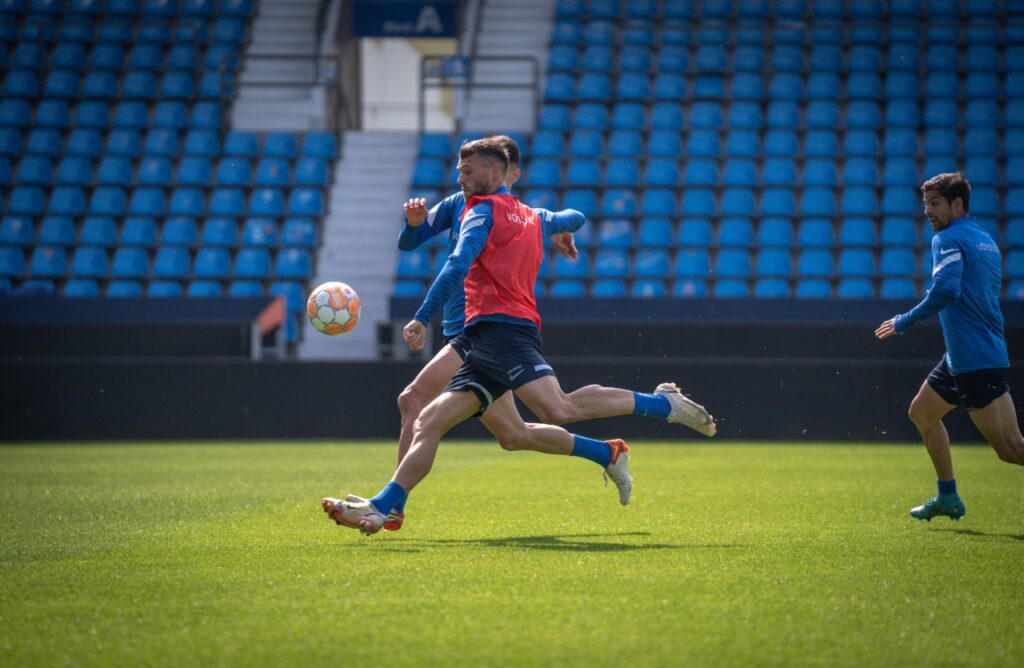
<point x="166" y="262"/>
<point x="657" y="171"/>
<point x="774" y="288"/>
<point x="41" y="170"/>
<point x="146" y="231"/>
<point x="153" y="201"/>
<point x="165" y="140"/>
<point x="34" y="56"/>
<point x="123" y="29"/>
<point x="89" y="287"/>
<point x="104" y="84"/>
<point x="893" y="262"/>
<point x="130" y="8"/>
<point x="785" y="9"/>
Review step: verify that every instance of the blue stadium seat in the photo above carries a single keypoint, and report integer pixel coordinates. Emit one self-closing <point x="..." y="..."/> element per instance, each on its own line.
<point x="122" y="288"/>
<point x="26" y="200"/>
<point x="778" y="202"/>
<point x="115" y="170"/>
<point x="541" y="198"/>
<point x="689" y="287"/>
<point x="694" y="232"/>
<point x="655" y="232"/>
<point x="615" y="233"/>
<point x="747" y="86"/>
<point x="733" y="263"/>
<point x="586" y="144"/>
<point x="241" y="144"/>
<point x="97" y="231"/>
<point x="67" y="201"/>
<point x="299" y="232"/>
<point x="648" y="288"/>
<point x="855" y="288"/>
<point x="252" y="262"/>
<point x="658" y="202"/>
<point x="137" y="230"/>
<point x="897" y="288"/>
<point x="130" y="262"/>
<point x="822" y="114"/>
<point x="591" y="116"/>
<point x="203" y="142"/>
<point x="856" y="231"/>
<point x="227" y="202"/>
<point x="219" y="231"/>
<point x="783" y="113"/>
<point x="566" y="268"/>
<point x="664" y="143"/>
<point x="703" y="143"/>
<point x="859" y="200"/>
<point x="131" y="114"/>
<point x="544" y="173"/>
<point x="172" y="262"/>
<point x="666" y="116"/>
<point x="775" y="262"/>
<point x="982" y="170"/>
<point x="583" y="172"/>
<point x="435" y="145"/>
<point x="17" y="230"/>
<point x="81" y="287"/>
<point x="692" y="263"/>
<point x="775" y="232"/>
<point x="182" y="56"/>
<point x="57" y="230"/>
<point x="736" y="231"/>
<point x="49" y="113"/>
<point x="597" y="58"/>
<point x="48" y="261"/>
<point x="608" y="287"/>
<point x="164" y="288"/>
<point x="820" y="172"/>
<point x="563" y="58"/>
<point x="16" y="113"/>
<point x="611" y="262"/>
<point x="779" y="172"/>
<point x="207" y="114"/>
<point x="860" y="143"/>
<point x="430" y="172"/>
<point x="731" y="288"/>
<point x="897" y="262"/>
<point x="44" y="141"/>
<point x="818" y="201"/>
<point x="190" y="202"/>
<point x="193" y="171"/>
<point x="162" y="141"/>
<point x="180" y="231"/>
<point x="259" y="231"/>
<point x="293" y="263"/>
<point x="21" y="83"/>
<point x="771" y="288"/>
<point x="280" y="145"/>
<point x="700" y="172"/>
<point x="815" y="263"/>
<point x="554" y="117"/>
<point x="780" y="142"/>
<point x="234" y="171"/>
<point x="821" y="143"/>
<point x="583" y="200"/>
<point x="662" y="172"/>
<point x="35" y="170"/>
<point x="566" y="288"/>
<point x="212" y="262"/>
<point x="204" y="288"/>
<point x="903" y="201"/>
<point x="274" y="172"/>
<point x="737" y="202"/>
<point x="622" y="172"/>
<point x="147" y="201"/>
<point x="12" y="261"/>
<point x="860" y="172"/>
<point x="250" y="288"/>
<point x="859" y="262"/>
<point x="738" y="172"/>
<point x="548" y="144"/>
<point x="617" y="202"/>
<point x="311" y="171"/>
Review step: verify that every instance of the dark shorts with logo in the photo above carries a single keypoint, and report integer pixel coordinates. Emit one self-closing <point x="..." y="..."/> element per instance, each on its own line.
<point x="459" y="343"/>
<point x="501" y="357"/>
<point x="972" y="390"/>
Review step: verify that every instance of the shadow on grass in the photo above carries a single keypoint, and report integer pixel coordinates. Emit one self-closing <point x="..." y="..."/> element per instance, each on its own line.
<point x="972" y="532"/>
<point x="558" y="543"/>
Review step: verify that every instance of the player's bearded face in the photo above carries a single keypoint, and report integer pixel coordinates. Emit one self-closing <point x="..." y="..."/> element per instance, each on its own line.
<point x="476" y="176"/>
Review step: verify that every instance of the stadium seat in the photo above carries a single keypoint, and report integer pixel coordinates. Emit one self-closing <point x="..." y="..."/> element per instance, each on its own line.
<point x="582" y="172"/>
<point x="179" y="231"/>
<point x="204" y="288"/>
<point x="664" y="143"/>
<point x="622" y="172"/>
<point x="260" y="232"/>
<point x="130" y="262"/>
<point x="17" y="230"/>
<point x="897" y="288"/>
<point x="12" y="261"/>
<point x="731" y="288"/>
<point x="280" y="145"/>
<point x="666" y="116"/>
<point x="615" y="202"/>
<point x="856" y="231"/>
<point x="855" y="288"/>
<point x="57" y="230"/>
<point x="171" y="262"/>
<point x="780" y="143"/>
<point x="615" y="233"/>
<point x="655" y="232"/>
<point x="611" y="262"/>
<point x="156" y="171"/>
<point x="775" y="262"/>
<point x="778" y="202"/>
<point x="81" y="287"/>
<point x="816" y="263"/>
<point x="138" y="231"/>
<point x="775" y="232"/>
<point x="293" y="263"/>
<point x="694" y="232"/>
<point x="779" y="172"/>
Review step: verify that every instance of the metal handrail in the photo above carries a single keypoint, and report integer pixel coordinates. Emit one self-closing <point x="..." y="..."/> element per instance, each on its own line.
<point x="470" y="82"/>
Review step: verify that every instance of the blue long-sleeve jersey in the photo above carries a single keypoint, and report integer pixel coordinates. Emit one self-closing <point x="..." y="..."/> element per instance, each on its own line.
<point x="447" y="215"/>
<point x="966" y="279"/>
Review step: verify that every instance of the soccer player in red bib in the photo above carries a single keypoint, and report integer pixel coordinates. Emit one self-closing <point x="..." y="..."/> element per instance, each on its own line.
<point x="498" y="256"/>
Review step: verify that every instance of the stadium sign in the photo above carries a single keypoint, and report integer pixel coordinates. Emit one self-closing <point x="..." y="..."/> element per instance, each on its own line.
<point x="404" y="18"/>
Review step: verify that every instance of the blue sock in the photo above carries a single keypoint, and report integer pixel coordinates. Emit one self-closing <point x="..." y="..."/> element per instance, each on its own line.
<point x="592" y="449"/>
<point x="947" y="487"/>
<point x="651" y="405"/>
<point x="389" y="497"/>
<point x="400" y="506"/>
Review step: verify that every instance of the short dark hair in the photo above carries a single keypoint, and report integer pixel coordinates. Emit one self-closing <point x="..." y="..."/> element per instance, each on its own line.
<point x="488" y="147"/>
<point x="950" y="186"/>
<point x="511" y="147"/>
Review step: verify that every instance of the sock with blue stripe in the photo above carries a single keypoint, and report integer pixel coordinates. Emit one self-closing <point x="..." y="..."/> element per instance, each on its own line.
<point x="947" y="487"/>
<point x="389" y="497"/>
<point x="592" y="449"/>
<point x="651" y="405"/>
<point x="400" y="507"/>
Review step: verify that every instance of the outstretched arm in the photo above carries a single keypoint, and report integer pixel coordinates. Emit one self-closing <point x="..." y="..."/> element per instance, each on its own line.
<point x="437" y="219"/>
<point x="476" y="227"/>
<point x="560" y="225"/>
<point x="947" y="276"/>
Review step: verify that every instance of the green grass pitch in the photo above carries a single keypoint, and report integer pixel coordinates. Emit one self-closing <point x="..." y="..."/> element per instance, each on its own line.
<point x="731" y="554"/>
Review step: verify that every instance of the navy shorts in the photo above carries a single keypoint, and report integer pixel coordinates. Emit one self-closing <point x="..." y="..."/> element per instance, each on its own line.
<point x="502" y="357"/>
<point x="459" y="343"/>
<point x="972" y="390"/>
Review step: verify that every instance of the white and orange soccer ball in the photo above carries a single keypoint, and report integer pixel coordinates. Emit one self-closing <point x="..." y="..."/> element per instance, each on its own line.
<point x="333" y="308"/>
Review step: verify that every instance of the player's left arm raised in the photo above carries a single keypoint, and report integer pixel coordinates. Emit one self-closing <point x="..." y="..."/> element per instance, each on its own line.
<point x="947" y="276"/>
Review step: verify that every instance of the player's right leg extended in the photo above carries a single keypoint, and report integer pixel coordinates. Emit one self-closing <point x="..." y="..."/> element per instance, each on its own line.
<point x="428" y="384"/>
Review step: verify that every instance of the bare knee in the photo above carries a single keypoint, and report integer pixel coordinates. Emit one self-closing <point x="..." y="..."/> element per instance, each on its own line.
<point x="1011" y="451"/>
<point x="411" y="401"/>
<point x="561" y="412"/>
<point x="513" y="439"/>
<point x="920" y="417"/>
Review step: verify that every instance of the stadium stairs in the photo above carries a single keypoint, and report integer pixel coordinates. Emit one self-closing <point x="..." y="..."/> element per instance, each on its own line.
<point x="509" y="30"/>
<point x="360" y="236"/>
<point x="283" y="28"/>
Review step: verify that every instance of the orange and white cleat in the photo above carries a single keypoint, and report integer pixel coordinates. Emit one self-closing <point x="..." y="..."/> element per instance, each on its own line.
<point x="360" y="515"/>
<point x="618" y="470"/>
<point x="394" y="521"/>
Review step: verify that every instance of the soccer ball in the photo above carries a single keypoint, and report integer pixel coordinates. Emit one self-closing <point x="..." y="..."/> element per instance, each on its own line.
<point x="333" y="308"/>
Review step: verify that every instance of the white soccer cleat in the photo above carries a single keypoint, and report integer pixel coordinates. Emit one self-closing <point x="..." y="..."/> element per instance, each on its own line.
<point x="618" y="470"/>
<point x="359" y="514"/>
<point x="687" y="412"/>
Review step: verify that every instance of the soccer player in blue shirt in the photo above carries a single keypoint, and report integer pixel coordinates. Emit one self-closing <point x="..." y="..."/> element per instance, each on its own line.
<point x="966" y="281"/>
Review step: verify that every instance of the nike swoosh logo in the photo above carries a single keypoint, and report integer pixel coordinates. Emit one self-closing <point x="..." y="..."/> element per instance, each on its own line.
<point x="949" y="250"/>
<point x="513" y="376"/>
